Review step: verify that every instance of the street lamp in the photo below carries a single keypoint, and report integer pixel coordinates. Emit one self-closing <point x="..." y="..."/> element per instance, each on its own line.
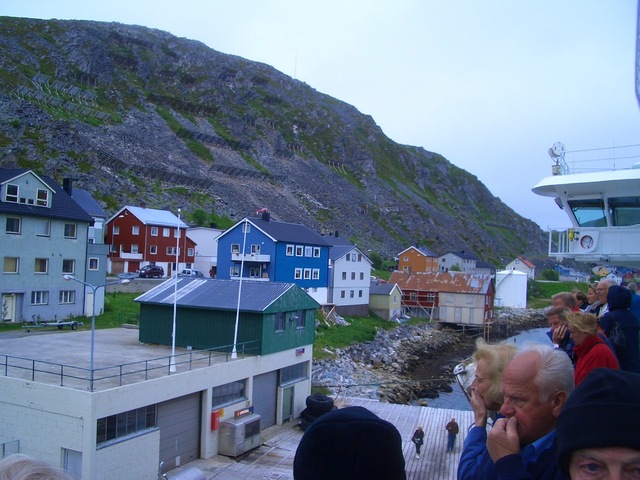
<point x="93" y="314"/>
<point x="172" y="361"/>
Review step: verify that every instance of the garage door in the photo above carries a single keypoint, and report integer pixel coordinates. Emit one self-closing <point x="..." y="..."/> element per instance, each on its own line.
<point x="264" y="397"/>
<point x="179" y="423"/>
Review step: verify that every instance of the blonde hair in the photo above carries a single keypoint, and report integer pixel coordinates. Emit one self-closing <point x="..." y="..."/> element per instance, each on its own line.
<point x="496" y="357"/>
<point x="583" y="322"/>
<point x="23" y="467"/>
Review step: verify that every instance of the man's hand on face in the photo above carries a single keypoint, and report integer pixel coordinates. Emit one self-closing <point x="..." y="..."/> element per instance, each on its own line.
<point x="503" y="439"/>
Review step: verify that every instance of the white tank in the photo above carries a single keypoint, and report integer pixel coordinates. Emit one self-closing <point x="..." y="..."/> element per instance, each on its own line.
<point x="511" y="289"/>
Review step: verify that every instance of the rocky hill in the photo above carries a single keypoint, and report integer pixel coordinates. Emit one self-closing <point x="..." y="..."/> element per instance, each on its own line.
<point x="137" y="115"/>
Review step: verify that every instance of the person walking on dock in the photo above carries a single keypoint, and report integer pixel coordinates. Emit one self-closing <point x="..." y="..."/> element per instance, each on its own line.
<point x="452" y="430"/>
<point x="418" y="440"/>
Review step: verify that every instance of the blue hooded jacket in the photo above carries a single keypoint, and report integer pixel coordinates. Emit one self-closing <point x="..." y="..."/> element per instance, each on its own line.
<point x="619" y="301"/>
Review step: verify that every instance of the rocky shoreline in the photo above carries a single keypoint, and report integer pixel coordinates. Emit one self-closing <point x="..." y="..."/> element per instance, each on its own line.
<point x="412" y="361"/>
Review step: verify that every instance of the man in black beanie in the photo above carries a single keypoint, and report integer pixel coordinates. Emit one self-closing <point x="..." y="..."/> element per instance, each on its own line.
<point x="599" y="427"/>
<point x="350" y="444"/>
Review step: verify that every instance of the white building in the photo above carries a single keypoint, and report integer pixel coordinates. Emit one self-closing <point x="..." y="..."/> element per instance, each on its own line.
<point x="349" y="278"/>
<point x="206" y="247"/>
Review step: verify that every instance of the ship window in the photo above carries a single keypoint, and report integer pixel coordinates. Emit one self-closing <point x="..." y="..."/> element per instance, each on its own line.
<point x="625" y="211"/>
<point x="589" y="213"/>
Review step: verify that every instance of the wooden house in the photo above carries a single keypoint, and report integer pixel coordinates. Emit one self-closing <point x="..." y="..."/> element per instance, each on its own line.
<point x="448" y="297"/>
<point x="415" y="259"/>
<point x="385" y="300"/>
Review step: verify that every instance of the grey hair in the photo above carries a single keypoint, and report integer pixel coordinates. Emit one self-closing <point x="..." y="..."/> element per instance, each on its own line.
<point x="23" y="467"/>
<point x="555" y="373"/>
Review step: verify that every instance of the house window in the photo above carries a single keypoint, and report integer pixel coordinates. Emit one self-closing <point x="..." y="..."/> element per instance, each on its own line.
<point x="353" y="275"/>
<point x="69" y="230"/>
<point x="11" y="264"/>
<point x="43" y="228"/>
<point x="290" y="250"/>
<point x="413" y="296"/>
<point x="254" y="272"/>
<point x="293" y="373"/>
<point x="42" y="198"/>
<point x="41" y="265"/>
<point x="469" y="300"/>
<point x="316" y="252"/>
<point x="255" y="248"/>
<point x="154" y="231"/>
<point x="361" y="275"/>
<point x="307" y="273"/>
<point x="343" y="294"/>
<point x="153" y="249"/>
<point x="297" y="273"/>
<point x="134" y="248"/>
<point x="171" y="251"/>
<point x="126" y="423"/>
<point x="431" y="297"/>
<point x="94" y="263"/>
<point x="176" y="233"/>
<point x="165" y="232"/>
<point x="135" y="230"/>
<point x="246" y="228"/>
<point x="359" y="257"/>
<point x="308" y="251"/>
<point x="234" y="271"/>
<point x="359" y="293"/>
<point x="39" y="297"/>
<point x="67" y="296"/>
<point x="348" y="258"/>
<point x="315" y="274"/>
<point x="13" y="225"/>
<point x="235" y="248"/>
<point x="68" y="266"/>
<point x="190" y="252"/>
<point x="116" y="229"/>
<point x="227" y="393"/>
<point x="351" y="294"/>
<point x="406" y="258"/>
<point x="300" y="319"/>
<point x="344" y="275"/>
<point x="279" y="323"/>
<point x="299" y="250"/>
<point x="11" y="194"/>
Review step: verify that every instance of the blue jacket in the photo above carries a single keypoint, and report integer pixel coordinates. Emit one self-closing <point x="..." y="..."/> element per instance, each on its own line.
<point x="619" y="300"/>
<point x="475" y="461"/>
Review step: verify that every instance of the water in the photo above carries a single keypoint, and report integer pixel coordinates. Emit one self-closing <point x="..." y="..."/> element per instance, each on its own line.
<point x="457" y="399"/>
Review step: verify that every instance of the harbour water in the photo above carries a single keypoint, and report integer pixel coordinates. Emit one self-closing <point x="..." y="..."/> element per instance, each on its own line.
<point x="457" y="399"/>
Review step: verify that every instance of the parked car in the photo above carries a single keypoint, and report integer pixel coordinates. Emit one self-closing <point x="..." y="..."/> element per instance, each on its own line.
<point x="151" y="271"/>
<point x="191" y="272"/>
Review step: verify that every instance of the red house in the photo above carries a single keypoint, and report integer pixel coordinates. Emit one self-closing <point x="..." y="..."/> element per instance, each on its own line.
<point x="139" y="236"/>
<point x="449" y="297"/>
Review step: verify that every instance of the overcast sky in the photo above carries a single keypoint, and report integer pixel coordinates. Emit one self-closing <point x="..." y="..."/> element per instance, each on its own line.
<point x="490" y="85"/>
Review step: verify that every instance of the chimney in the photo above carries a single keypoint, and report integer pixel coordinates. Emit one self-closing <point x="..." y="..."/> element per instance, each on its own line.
<point x="266" y="216"/>
<point x="337" y="234"/>
<point x="67" y="185"/>
<point x="143" y="204"/>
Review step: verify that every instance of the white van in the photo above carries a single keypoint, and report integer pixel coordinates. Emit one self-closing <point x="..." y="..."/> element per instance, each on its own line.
<point x="191" y="272"/>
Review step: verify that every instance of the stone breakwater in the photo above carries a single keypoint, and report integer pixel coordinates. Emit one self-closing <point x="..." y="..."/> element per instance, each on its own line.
<point x="411" y="361"/>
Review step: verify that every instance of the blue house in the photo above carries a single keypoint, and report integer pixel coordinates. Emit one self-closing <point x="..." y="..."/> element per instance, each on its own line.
<point x="266" y="250"/>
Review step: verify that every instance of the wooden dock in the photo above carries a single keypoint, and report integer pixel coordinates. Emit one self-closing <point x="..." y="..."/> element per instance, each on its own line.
<point x="274" y="459"/>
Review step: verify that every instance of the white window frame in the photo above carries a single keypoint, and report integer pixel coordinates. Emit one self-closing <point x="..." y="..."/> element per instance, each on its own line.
<point x="299" y="250"/>
<point x="47" y="227"/>
<point x="166" y="232"/>
<point x="190" y="252"/>
<point x="134" y="248"/>
<point x="315" y="274"/>
<point x="73" y="266"/>
<point x="75" y="230"/>
<point x="308" y="251"/>
<point x="42" y="202"/>
<point x="40" y="297"/>
<point x="135" y="230"/>
<point x="316" y="252"/>
<point x="290" y="250"/>
<point x="307" y="274"/>
<point x="154" y="231"/>
<point x="67" y="297"/>
<point x="153" y="249"/>
<point x="12" y="197"/>
<point x="297" y="274"/>
<point x="235" y="248"/>
<point x="94" y="263"/>
<point x="46" y="263"/>
<point x="17" y="265"/>
<point x="13" y="232"/>
<point x="234" y="271"/>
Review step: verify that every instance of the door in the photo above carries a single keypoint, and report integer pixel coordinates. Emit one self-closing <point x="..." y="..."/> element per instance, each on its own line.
<point x="72" y="462"/>
<point x="287" y="404"/>
<point x="264" y="397"/>
<point x="9" y="307"/>
<point x="179" y="424"/>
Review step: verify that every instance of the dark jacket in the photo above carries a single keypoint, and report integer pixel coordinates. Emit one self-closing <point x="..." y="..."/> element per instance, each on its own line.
<point x="619" y="300"/>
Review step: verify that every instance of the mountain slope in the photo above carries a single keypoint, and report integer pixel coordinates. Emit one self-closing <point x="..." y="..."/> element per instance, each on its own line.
<point x="138" y="115"/>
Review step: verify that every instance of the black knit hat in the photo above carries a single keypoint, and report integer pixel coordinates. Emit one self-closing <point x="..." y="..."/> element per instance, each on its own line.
<point x="350" y="444"/>
<point x="603" y="411"/>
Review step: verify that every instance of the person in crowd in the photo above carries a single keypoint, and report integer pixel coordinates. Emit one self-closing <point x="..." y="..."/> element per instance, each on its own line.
<point x="592" y="299"/>
<point x="350" y="443"/>
<point x="452" y="432"/>
<point x="602" y="289"/>
<point x="558" y="332"/>
<point x="598" y="427"/>
<point x="418" y="439"/>
<point x="628" y="352"/>
<point x="590" y="350"/>
<point x="635" y="299"/>
<point x="536" y="385"/>
<point x="564" y="299"/>
<point x="23" y="467"/>
<point x="581" y="298"/>
<point x="486" y="399"/>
